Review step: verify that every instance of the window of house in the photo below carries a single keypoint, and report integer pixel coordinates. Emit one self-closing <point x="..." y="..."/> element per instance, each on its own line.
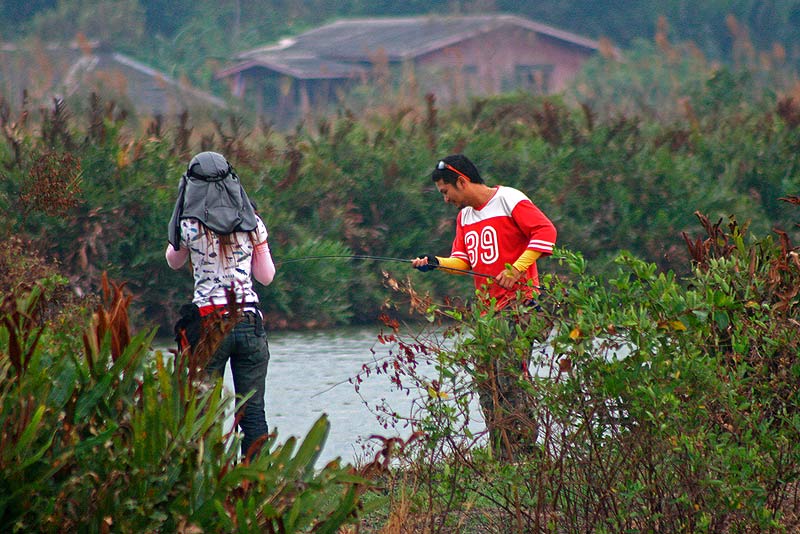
<point x="533" y="78"/>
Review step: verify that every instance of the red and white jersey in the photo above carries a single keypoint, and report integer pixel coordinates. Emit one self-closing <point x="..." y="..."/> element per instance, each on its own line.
<point x="498" y="233"/>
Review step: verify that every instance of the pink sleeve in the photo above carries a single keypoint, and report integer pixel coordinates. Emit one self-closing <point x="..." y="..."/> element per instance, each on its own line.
<point x="262" y="267"/>
<point x="176" y="258"/>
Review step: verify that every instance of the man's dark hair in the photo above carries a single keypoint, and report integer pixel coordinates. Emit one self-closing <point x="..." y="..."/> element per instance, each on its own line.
<point x="461" y="164"/>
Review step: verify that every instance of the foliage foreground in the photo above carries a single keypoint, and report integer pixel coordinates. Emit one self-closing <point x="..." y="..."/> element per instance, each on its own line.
<point x="100" y="434"/>
<point x="660" y="405"/>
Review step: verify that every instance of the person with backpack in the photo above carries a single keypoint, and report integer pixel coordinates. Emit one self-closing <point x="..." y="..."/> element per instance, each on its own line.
<point x="501" y="233"/>
<point x="215" y="226"/>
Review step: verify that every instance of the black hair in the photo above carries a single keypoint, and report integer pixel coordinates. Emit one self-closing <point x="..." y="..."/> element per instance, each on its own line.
<point x="459" y="162"/>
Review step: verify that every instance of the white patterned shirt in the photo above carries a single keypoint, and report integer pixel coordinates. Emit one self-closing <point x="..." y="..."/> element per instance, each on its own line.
<point x="212" y="273"/>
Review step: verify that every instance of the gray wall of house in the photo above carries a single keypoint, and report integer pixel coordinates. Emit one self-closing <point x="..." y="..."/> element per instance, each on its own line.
<point x="505" y="59"/>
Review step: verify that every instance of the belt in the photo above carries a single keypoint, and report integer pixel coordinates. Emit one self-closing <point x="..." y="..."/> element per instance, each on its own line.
<point x="246" y="307"/>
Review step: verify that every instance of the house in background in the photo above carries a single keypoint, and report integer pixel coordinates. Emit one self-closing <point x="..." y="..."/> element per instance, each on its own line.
<point x="453" y="57"/>
<point x="72" y="72"/>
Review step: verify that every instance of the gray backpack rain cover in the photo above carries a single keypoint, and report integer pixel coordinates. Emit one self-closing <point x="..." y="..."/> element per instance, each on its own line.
<point x="211" y="192"/>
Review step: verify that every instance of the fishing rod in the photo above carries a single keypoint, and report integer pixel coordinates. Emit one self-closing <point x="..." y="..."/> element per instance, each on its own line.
<point x="344" y="256"/>
<point x="380" y="258"/>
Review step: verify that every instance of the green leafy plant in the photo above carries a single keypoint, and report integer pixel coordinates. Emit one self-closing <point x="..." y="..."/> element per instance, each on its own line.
<point x="659" y="404"/>
<point x="117" y="438"/>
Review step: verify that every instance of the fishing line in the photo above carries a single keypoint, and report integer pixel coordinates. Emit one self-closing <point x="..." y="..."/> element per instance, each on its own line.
<point x="379" y="258"/>
<point x="344" y="256"/>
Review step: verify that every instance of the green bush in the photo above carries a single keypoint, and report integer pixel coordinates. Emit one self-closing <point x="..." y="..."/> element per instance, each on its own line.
<point x="93" y="189"/>
<point x="661" y="404"/>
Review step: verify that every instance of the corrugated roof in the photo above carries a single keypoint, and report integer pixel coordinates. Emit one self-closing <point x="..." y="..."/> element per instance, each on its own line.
<point x="301" y="67"/>
<point x="156" y="81"/>
<point x="68" y="69"/>
<point x="404" y="38"/>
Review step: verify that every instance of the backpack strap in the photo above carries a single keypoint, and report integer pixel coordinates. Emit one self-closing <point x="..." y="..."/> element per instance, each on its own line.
<point x="174" y="229"/>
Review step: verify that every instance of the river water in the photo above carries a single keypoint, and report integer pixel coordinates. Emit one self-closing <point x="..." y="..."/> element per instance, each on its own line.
<point x="310" y="374"/>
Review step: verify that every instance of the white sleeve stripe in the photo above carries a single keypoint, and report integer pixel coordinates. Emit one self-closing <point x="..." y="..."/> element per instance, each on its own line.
<point x="545" y="245"/>
<point x="459" y="255"/>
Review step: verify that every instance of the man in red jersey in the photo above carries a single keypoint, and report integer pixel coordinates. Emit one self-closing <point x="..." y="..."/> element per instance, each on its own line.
<point x="501" y="233"/>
